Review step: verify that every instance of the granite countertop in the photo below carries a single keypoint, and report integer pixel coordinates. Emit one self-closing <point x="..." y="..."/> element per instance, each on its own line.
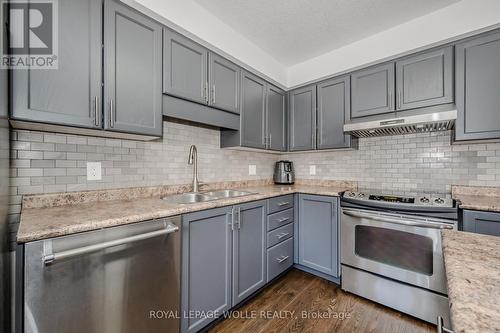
<point x="472" y="263"/>
<point x="38" y="222"/>
<point x="477" y="198"/>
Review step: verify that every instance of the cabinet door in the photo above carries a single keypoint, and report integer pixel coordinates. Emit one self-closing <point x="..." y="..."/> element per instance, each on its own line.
<point x="425" y="79"/>
<point x="302" y="118"/>
<point x="318" y="233"/>
<point x="249" y="249"/>
<point x="333" y="106"/>
<point x="276" y="118"/>
<point x="373" y="91"/>
<point x="185" y="71"/>
<point x="224" y="83"/>
<point x="481" y="222"/>
<point x="253" y="92"/>
<point x="71" y="94"/>
<point x="478" y="88"/>
<point x="206" y="265"/>
<point x="132" y="83"/>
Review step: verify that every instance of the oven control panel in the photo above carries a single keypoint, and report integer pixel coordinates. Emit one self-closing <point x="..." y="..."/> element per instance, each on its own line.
<point x="435" y="201"/>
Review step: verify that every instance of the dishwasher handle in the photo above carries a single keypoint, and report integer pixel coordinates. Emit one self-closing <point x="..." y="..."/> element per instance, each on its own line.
<point x="50" y="257"/>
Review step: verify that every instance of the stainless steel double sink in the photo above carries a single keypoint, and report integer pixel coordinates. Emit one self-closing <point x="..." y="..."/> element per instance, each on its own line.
<point x="192" y="197"/>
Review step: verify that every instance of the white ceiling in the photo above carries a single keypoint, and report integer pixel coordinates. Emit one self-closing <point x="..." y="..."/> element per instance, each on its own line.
<point x="293" y="31"/>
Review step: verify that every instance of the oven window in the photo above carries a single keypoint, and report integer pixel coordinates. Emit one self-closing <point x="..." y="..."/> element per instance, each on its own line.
<point x="396" y="248"/>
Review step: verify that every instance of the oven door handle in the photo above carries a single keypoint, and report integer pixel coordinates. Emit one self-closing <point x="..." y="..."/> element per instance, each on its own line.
<point x="413" y="223"/>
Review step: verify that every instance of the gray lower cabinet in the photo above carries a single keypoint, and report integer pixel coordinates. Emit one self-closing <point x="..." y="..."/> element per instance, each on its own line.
<point x="425" y="79"/>
<point x="334" y="97"/>
<point x="223" y="260"/>
<point x="133" y="78"/>
<point x="207" y="242"/>
<point x="249" y="250"/>
<point x="71" y="94"/>
<point x="252" y="122"/>
<point x="477" y="85"/>
<point x="185" y="71"/>
<point x="486" y="223"/>
<point x="302" y="118"/>
<point x="224" y="83"/>
<point x="372" y="91"/>
<point x="318" y="233"/>
<point x="275" y="118"/>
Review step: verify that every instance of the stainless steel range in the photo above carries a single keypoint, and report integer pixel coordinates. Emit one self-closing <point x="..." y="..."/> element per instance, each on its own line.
<point x="391" y="251"/>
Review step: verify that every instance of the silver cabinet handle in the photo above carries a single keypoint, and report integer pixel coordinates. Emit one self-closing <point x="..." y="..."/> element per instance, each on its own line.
<point x="213" y="95"/>
<point x="440" y="326"/>
<point x="280" y="236"/>
<point x="283" y="219"/>
<point x="281" y="204"/>
<point x="96" y="111"/>
<point x="390" y="101"/>
<point x="270" y="140"/>
<point x="411" y="223"/>
<point x="282" y="258"/>
<point x="239" y="217"/>
<point x="399" y="100"/>
<point x="111" y="114"/>
<point x="206" y="93"/>
<point x="231" y="223"/>
<point x="50" y="257"/>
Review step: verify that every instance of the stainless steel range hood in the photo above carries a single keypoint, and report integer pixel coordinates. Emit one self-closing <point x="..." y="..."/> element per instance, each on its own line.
<point x="427" y="122"/>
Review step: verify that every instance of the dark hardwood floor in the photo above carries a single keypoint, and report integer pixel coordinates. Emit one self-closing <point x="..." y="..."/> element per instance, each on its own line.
<point x="279" y="308"/>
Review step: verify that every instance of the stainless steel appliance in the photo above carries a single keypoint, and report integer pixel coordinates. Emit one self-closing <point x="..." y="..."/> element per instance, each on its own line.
<point x="120" y="279"/>
<point x="409" y="122"/>
<point x="284" y="173"/>
<point x="391" y="251"/>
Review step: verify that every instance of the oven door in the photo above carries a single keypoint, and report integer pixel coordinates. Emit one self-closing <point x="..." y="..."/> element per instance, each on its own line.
<point x="401" y="247"/>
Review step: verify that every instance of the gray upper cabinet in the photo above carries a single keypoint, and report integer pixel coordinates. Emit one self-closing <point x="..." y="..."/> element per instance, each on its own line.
<point x="224" y="83"/>
<point x="249" y="249"/>
<point x="333" y="107"/>
<point x="206" y="265"/>
<point x="276" y="118"/>
<point x="132" y="62"/>
<point x="253" y="98"/>
<point x="318" y="233"/>
<point x="481" y="222"/>
<point x="184" y="68"/>
<point x="425" y="79"/>
<point x="302" y="118"/>
<point x="71" y="94"/>
<point x="373" y="90"/>
<point x="478" y="88"/>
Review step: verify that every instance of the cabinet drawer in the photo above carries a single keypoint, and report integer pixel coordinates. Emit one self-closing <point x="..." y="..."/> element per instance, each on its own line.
<point x="278" y="235"/>
<point x="279" y="219"/>
<point x="279" y="258"/>
<point x="279" y="203"/>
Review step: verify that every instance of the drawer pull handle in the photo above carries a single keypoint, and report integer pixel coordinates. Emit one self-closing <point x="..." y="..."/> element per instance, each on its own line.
<point x="282" y="258"/>
<point x="283" y="219"/>
<point x="281" y="204"/>
<point x="280" y="236"/>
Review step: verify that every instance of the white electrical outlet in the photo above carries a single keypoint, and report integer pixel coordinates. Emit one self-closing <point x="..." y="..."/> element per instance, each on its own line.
<point x="312" y="170"/>
<point x="94" y="171"/>
<point x="252" y="169"/>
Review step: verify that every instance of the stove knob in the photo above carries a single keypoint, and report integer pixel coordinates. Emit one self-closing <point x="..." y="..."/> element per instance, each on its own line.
<point x="352" y="194"/>
<point x="361" y="195"/>
<point x="439" y="201"/>
<point x="424" y="200"/>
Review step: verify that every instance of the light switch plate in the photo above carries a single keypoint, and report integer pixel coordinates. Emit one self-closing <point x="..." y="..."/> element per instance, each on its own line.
<point x="312" y="170"/>
<point x="94" y="171"/>
<point x="252" y="169"/>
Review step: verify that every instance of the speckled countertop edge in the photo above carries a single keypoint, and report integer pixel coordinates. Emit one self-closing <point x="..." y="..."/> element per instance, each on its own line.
<point x="472" y="264"/>
<point x="477" y="198"/>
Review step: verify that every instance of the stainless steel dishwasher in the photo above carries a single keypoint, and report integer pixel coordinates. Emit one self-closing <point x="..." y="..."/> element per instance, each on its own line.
<point x="119" y="279"/>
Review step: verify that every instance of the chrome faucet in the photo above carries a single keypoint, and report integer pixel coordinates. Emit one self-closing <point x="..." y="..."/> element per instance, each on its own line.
<point x="193" y="159"/>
